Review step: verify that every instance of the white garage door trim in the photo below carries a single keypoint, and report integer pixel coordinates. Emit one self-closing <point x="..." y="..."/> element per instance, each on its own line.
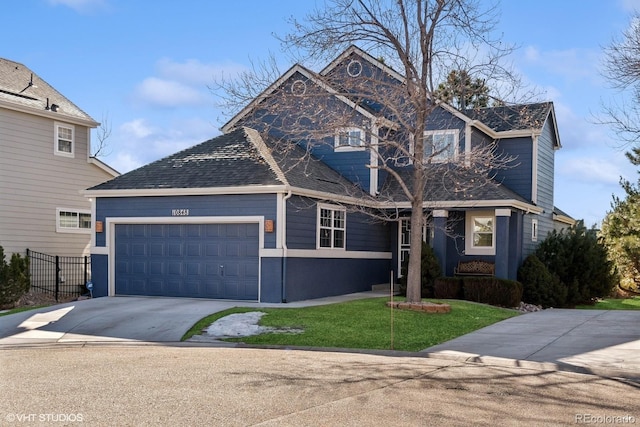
<point x="112" y="222"/>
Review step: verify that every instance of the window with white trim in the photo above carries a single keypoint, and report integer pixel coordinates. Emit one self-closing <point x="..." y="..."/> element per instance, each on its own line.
<point x="349" y="139"/>
<point x="441" y="145"/>
<point x="480" y="233"/>
<point x="534" y="230"/>
<point x="331" y="227"/>
<point x="73" y="221"/>
<point x="64" y="144"/>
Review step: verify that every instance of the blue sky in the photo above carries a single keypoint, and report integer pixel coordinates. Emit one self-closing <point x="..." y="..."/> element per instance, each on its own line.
<point x="147" y="65"/>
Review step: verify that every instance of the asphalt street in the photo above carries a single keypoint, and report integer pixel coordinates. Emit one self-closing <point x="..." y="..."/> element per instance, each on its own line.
<point x="119" y="361"/>
<point x="164" y="385"/>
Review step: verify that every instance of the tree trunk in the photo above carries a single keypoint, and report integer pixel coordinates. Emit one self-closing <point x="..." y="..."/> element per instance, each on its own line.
<point x="414" y="271"/>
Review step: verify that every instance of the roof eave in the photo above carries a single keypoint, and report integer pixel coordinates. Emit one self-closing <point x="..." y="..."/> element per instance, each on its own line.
<point x="49" y="114"/>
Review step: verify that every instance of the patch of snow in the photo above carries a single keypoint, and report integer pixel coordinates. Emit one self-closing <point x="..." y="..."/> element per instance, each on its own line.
<point x="238" y="325"/>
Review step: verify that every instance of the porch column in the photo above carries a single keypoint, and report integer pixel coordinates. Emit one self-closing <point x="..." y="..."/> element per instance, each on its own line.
<point x="440" y="237"/>
<point x="502" y="243"/>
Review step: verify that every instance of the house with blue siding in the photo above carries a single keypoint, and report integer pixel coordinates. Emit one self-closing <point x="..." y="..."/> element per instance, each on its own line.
<point x="291" y="203"/>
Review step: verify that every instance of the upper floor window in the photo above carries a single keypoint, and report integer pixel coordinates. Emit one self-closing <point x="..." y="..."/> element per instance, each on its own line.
<point x="534" y="230"/>
<point x="480" y="233"/>
<point x="349" y="139"/>
<point x="64" y="140"/>
<point x="441" y="145"/>
<point x="331" y="227"/>
<point x="73" y="221"/>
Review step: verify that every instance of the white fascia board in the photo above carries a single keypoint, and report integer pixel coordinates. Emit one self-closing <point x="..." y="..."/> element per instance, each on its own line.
<point x="470" y="204"/>
<point x="308" y="74"/>
<point x="218" y="191"/>
<point x="552" y="114"/>
<point x="102" y="165"/>
<point x="49" y="114"/>
<point x="526" y="133"/>
<point x="258" y="189"/>
<point x="564" y="219"/>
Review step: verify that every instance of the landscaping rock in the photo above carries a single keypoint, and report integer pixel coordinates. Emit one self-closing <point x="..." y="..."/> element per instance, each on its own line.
<point x="428" y="307"/>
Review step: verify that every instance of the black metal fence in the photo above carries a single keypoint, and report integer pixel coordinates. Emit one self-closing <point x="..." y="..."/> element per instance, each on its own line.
<point x="61" y="276"/>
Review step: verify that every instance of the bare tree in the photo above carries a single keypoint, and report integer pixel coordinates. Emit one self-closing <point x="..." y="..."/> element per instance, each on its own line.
<point x="423" y="40"/>
<point x="622" y="68"/>
<point x="103" y="132"/>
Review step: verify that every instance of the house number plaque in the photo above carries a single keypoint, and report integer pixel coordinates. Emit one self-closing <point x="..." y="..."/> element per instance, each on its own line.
<point x="179" y="212"/>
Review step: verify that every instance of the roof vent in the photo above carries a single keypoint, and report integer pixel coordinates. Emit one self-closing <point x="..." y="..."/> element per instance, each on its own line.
<point x="54" y="107"/>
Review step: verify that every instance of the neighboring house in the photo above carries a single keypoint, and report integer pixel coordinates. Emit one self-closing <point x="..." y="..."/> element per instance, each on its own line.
<point x="243" y="216"/>
<point x="45" y="163"/>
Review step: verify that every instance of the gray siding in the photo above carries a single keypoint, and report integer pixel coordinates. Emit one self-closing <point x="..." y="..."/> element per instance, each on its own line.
<point x="34" y="182"/>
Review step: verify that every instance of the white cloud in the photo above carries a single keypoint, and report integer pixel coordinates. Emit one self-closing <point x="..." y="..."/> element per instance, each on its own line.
<point x="167" y="93"/>
<point x="592" y="170"/>
<point x="124" y="162"/>
<point x="81" y="6"/>
<point x="630" y="5"/>
<point x="183" y="83"/>
<point x="570" y="64"/>
<point x="139" y="142"/>
<point x="137" y="128"/>
<point x="195" y="72"/>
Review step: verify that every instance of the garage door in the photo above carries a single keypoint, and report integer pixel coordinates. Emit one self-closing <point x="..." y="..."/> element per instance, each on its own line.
<point x="187" y="260"/>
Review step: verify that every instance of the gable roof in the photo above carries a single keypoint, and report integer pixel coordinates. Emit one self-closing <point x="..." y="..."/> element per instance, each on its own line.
<point x="353" y="49"/>
<point x="297" y="68"/>
<point x="238" y="159"/>
<point x="22" y="89"/>
<point x="517" y="118"/>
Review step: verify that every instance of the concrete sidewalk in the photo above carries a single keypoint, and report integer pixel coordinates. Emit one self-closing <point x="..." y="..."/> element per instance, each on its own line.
<point x="602" y="342"/>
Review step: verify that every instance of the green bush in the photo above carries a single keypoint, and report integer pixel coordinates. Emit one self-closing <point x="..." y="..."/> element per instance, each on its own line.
<point x="493" y="291"/>
<point x="580" y="261"/>
<point x="540" y="287"/>
<point x="14" y="278"/>
<point x="430" y="271"/>
<point x="447" y="288"/>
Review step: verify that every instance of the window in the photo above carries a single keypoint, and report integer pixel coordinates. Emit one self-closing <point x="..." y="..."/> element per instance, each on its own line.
<point x="64" y="140"/>
<point x="534" y="230"/>
<point x="73" y="221"/>
<point x="441" y="145"/>
<point x="331" y="227"/>
<point x="349" y="139"/>
<point x="479" y="237"/>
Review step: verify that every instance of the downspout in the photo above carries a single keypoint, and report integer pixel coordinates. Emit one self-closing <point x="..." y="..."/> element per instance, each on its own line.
<point x="284" y="246"/>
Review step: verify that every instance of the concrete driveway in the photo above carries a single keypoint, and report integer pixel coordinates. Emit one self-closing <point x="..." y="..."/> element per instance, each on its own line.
<point x="606" y="343"/>
<point x="108" y="319"/>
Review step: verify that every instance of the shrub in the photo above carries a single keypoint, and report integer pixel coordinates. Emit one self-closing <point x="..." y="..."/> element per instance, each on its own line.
<point x="490" y="290"/>
<point x="430" y="271"/>
<point x="447" y="288"/>
<point x="540" y="287"/>
<point x="580" y="262"/>
<point x="14" y="278"/>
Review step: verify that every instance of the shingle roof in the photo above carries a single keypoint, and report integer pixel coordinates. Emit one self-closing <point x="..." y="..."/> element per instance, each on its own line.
<point x="447" y="183"/>
<point x="236" y="159"/>
<point x="513" y="117"/>
<point x="21" y="86"/>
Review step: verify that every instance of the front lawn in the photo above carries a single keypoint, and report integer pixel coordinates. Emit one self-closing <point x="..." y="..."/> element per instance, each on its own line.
<point x="614" y="304"/>
<point x="366" y="324"/>
<point x="20" y="309"/>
